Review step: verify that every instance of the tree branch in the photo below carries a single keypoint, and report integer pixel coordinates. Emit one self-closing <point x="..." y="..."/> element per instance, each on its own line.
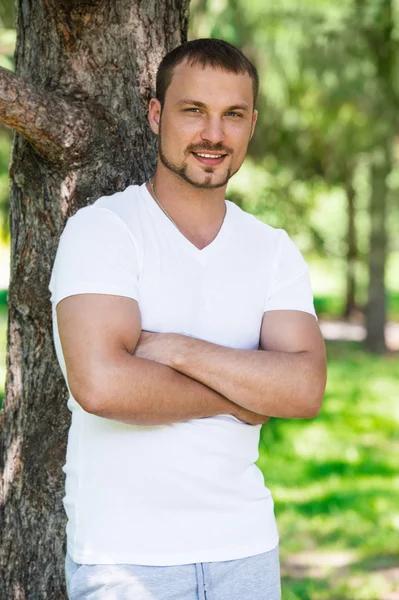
<point x="58" y="128"/>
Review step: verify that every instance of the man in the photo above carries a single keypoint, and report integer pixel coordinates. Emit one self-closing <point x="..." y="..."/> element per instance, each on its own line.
<point x="181" y="324"/>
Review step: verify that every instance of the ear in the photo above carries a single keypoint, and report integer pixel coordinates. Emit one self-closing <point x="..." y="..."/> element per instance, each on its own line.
<point x="254" y="119"/>
<point x="154" y="114"/>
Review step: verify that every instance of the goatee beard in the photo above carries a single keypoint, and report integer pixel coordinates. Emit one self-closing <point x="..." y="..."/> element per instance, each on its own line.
<point x="181" y="171"/>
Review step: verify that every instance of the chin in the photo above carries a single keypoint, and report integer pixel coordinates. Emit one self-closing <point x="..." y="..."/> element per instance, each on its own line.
<point x="209" y="183"/>
<point x="209" y="179"/>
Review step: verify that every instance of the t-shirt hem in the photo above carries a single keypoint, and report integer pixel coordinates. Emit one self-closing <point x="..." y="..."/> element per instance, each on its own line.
<point x="168" y="560"/>
<point x="84" y="287"/>
<point x="309" y="310"/>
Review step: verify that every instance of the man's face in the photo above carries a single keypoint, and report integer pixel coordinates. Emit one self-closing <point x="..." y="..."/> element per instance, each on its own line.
<point x="205" y="125"/>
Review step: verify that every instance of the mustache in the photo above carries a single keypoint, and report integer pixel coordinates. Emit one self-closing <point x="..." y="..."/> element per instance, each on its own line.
<point x="209" y="147"/>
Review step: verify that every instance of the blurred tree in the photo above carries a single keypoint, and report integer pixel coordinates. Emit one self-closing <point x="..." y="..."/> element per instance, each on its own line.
<point x="352" y="251"/>
<point x="376" y="306"/>
<point x="375" y="19"/>
<point x="84" y="72"/>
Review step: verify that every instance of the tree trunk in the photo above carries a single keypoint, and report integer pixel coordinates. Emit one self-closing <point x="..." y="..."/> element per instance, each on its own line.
<point x="376" y="306"/>
<point x="351" y="253"/>
<point x="84" y="71"/>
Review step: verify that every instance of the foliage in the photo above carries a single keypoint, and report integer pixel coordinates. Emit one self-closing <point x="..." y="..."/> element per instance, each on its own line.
<point x="7" y="13"/>
<point x="7" y="44"/>
<point x="5" y="141"/>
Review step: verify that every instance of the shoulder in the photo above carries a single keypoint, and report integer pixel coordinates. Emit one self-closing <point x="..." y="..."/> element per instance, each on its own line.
<point x="106" y="221"/>
<point x="266" y="240"/>
<point x="123" y="204"/>
<point x="96" y="246"/>
<point x="111" y="213"/>
<point x="250" y="226"/>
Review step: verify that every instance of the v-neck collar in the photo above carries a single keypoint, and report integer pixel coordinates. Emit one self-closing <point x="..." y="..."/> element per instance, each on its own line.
<point x="200" y="254"/>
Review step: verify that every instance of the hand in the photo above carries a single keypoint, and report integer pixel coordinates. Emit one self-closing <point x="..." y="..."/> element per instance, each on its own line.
<point x="163" y="348"/>
<point x="249" y="417"/>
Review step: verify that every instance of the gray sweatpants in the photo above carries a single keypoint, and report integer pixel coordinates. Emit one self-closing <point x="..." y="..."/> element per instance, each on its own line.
<point x="253" y="578"/>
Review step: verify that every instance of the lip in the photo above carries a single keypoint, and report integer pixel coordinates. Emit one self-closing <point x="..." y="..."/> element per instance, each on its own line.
<point x="214" y="162"/>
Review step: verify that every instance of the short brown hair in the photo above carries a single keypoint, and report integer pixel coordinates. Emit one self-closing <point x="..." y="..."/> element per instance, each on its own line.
<point x="207" y="52"/>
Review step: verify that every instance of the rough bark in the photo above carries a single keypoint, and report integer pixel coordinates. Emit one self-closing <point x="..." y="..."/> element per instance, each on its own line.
<point x="376" y="306"/>
<point x="57" y="128"/>
<point x="88" y="69"/>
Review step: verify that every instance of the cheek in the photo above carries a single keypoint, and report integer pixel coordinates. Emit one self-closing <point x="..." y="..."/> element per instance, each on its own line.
<point x="240" y="142"/>
<point x="179" y="134"/>
<point x="239" y="134"/>
<point x="188" y="129"/>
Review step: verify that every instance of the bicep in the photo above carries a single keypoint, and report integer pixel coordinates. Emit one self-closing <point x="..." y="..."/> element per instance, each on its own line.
<point x="93" y="330"/>
<point x="291" y="331"/>
<point x="297" y="332"/>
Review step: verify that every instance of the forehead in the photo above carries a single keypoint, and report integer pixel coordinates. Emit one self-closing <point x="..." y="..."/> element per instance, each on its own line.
<point x="212" y="86"/>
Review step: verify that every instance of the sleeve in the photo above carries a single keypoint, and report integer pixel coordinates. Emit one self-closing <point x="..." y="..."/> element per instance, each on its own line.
<point x="96" y="254"/>
<point x="290" y="288"/>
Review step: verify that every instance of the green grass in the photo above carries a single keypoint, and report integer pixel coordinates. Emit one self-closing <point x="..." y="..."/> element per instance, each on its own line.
<point x="335" y="482"/>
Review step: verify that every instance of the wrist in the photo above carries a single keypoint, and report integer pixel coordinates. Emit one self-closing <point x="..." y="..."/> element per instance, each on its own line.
<point x="181" y="346"/>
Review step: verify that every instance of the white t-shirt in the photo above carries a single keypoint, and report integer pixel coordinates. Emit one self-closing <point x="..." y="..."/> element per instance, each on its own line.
<point x="183" y="492"/>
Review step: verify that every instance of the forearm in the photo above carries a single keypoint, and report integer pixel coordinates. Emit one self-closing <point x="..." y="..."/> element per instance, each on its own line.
<point x="278" y="384"/>
<point x="143" y="392"/>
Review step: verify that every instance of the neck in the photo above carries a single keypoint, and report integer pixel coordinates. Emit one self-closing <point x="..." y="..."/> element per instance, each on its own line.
<point x="193" y="209"/>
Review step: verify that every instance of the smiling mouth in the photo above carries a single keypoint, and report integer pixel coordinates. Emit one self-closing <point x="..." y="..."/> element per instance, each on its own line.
<point x="209" y="158"/>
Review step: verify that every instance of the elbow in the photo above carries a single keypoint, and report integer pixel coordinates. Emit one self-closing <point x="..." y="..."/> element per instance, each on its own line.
<point x="89" y="396"/>
<point x="83" y="396"/>
<point x="310" y="410"/>
<point x="89" y="402"/>
<point x="312" y="400"/>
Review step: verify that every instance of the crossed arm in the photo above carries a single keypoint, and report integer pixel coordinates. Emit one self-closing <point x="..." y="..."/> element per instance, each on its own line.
<point x="117" y="371"/>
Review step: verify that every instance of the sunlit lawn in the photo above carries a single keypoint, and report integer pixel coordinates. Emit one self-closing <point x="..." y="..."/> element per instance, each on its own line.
<point x="335" y="481"/>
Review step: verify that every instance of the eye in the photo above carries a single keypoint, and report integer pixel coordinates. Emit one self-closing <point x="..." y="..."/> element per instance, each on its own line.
<point x="234" y="114"/>
<point x="192" y="110"/>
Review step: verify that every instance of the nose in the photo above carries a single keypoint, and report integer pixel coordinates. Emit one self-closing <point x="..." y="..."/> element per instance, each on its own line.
<point x="213" y="130"/>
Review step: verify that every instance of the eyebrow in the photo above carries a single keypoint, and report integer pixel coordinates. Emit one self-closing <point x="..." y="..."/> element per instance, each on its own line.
<point x="185" y="101"/>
